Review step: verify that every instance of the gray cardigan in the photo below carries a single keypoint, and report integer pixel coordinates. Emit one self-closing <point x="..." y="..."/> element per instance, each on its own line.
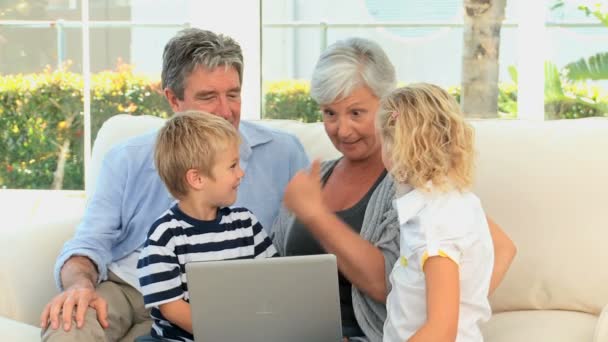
<point x="381" y="228"/>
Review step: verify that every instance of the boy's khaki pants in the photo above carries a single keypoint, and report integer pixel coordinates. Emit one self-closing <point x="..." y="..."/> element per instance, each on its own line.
<point x="126" y="316"/>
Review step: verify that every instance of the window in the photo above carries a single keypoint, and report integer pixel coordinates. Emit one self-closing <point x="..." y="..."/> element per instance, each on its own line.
<point x="50" y="52"/>
<point x="424" y="40"/>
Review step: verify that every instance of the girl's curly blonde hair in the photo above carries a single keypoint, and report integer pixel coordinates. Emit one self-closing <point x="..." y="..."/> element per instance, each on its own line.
<point x="426" y="138"/>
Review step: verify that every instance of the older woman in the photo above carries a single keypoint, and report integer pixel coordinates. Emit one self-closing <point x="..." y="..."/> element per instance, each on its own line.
<point x="344" y="206"/>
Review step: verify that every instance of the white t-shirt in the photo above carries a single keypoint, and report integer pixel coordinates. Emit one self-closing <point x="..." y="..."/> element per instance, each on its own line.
<point x="126" y="268"/>
<point x="452" y="225"/>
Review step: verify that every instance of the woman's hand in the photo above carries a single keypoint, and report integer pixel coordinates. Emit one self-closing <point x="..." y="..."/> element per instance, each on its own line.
<point x="303" y="195"/>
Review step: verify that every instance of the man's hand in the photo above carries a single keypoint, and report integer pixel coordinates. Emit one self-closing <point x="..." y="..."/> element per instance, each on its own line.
<point x="78" y="275"/>
<point x="303" y="194"/>
<point x="79" y="297"/>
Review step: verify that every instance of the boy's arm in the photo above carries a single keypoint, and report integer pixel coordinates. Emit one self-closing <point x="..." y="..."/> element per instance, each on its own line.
<point x="263" y="246"/>
<point x="442" y="301"/>
<point x="178" y="312"/>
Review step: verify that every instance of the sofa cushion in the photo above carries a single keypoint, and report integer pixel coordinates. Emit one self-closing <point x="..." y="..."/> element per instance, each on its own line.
<point x="546" y="184"/>
<point x="539" y="325"/>
<point x="28" y="252"/>
<point x="16" y="331"/>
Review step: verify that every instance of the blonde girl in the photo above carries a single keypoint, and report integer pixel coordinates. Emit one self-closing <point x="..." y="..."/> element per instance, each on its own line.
<point x="441" y="280"/>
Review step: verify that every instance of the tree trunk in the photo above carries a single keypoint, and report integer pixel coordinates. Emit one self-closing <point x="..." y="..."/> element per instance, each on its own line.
<point x="62" y="155"/>
<point x="481" y="42"/>
<point x="64" y="152"/>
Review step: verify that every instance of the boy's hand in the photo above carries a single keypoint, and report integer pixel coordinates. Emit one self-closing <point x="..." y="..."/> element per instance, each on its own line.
<point x="303" y="194"/>
<point x="80" y="296"/>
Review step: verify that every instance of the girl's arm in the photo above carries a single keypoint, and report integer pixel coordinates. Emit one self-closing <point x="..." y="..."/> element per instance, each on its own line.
<point x="442" y="301"/>
<point x="178" y="312"/>
<point x="504" y="252"/>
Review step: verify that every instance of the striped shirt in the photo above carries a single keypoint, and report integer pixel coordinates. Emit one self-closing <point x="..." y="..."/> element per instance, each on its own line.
<point x="176" y="239"/>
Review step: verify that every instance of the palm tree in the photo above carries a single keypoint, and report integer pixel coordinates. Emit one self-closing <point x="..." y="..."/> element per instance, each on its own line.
<point x="481" y="37"/>
<point x="595" y="67"/>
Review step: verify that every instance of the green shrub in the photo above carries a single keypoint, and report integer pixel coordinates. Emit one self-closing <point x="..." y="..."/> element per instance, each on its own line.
<point x="578" y="101"/>
<point x="290" y="99"/>
<point x="41" y="114"/>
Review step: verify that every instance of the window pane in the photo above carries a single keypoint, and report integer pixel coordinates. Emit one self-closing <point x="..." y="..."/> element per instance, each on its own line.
<point x="159" y="11"/>
<point x="125" y="67"/>
<point x="577" y="43"/>
<point x="420" y="54"/>
<point x="40" y="10"/>
<point x="40" y="109"/>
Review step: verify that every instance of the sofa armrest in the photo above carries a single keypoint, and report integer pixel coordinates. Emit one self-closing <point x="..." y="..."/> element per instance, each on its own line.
<point x="27" y="258"/>
<point x="601" y="328"/>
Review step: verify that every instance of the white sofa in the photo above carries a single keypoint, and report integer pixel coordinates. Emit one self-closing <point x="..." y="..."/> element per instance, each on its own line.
<point x="546" y="183"/>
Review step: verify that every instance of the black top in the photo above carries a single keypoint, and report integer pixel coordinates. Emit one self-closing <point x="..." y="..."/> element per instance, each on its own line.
<point x="301" y="242"/>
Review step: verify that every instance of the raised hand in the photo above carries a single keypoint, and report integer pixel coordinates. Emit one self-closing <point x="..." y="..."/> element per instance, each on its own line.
<point x="303" y="194"/>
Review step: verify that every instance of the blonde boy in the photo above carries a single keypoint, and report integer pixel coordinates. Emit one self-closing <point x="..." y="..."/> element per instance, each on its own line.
<point x="197" y="157"/>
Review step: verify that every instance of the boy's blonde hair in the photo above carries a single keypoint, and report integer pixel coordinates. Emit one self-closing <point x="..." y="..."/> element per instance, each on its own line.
<point x="190" y="140"/>
<point x="427" y="138"/>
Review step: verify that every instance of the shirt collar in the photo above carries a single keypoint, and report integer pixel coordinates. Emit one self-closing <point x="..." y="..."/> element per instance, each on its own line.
<point x="252" y="136"/>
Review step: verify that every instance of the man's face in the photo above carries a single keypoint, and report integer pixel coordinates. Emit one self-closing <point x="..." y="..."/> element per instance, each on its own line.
<point x="217" y="91"/>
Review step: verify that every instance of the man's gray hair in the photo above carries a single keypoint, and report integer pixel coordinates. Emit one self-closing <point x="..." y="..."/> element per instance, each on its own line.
<point x="349" y="64"/>
<point x="194" y="47"/>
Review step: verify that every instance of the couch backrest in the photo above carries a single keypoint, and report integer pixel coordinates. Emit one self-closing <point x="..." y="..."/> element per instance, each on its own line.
<point x="545" y="183"/>
<point x="123" y="126"/>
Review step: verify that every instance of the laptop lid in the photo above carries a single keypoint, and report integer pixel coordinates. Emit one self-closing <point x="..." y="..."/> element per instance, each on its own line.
<point x="277" y="299"/>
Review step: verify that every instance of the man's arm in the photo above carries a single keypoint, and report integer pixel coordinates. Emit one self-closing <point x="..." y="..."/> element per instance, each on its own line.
<point x="79" y="270"/>
<point x="83" y="261"/>
<point x="504" y="252"/>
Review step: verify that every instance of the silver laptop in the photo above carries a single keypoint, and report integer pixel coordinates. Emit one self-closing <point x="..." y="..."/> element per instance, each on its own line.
<point x="277" y="299"/>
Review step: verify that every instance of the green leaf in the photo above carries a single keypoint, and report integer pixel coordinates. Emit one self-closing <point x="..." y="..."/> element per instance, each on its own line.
<point x="593" y="68"/>
<point x="513" y="73"/>
<point x="553" y="83"/>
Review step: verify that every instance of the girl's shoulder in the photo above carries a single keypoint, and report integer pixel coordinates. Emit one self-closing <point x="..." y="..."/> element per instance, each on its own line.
<point x="439" y="208"/>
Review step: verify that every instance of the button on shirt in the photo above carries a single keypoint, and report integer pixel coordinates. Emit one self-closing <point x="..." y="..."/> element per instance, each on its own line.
<point x="130" y="195"/>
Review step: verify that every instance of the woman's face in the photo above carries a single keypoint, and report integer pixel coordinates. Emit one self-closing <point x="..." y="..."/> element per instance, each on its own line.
<point x="350" y="124"/>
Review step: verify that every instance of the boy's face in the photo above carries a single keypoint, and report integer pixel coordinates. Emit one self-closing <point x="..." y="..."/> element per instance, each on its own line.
<point x="227" y="173"/>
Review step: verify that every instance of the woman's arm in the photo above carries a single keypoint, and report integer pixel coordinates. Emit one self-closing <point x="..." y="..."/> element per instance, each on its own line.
<point x="361" y="262"/>
<point x="504" y="252"/>
<point x="442" y="301"/>
<point x="178" y="312"/>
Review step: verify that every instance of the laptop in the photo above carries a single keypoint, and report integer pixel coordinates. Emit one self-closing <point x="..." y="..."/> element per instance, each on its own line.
<point x="276" y="299"/>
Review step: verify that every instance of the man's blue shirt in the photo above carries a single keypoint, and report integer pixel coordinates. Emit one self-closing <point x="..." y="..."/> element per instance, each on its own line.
<point x="130" y="196"/>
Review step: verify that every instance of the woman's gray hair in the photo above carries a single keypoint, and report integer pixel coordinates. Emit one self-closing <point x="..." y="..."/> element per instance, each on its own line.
<point x="349" y="64"/>
<point x="194" y="47"/>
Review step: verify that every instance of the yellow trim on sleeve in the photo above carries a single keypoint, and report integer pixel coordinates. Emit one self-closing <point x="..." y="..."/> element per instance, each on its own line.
<point x="403" y="261"/>
<point x="424" y="257"/>
<point x="440" y="253"/>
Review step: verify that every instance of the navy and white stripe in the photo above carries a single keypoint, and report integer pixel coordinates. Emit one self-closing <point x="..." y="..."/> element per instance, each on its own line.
<point x="176" y="239"/>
